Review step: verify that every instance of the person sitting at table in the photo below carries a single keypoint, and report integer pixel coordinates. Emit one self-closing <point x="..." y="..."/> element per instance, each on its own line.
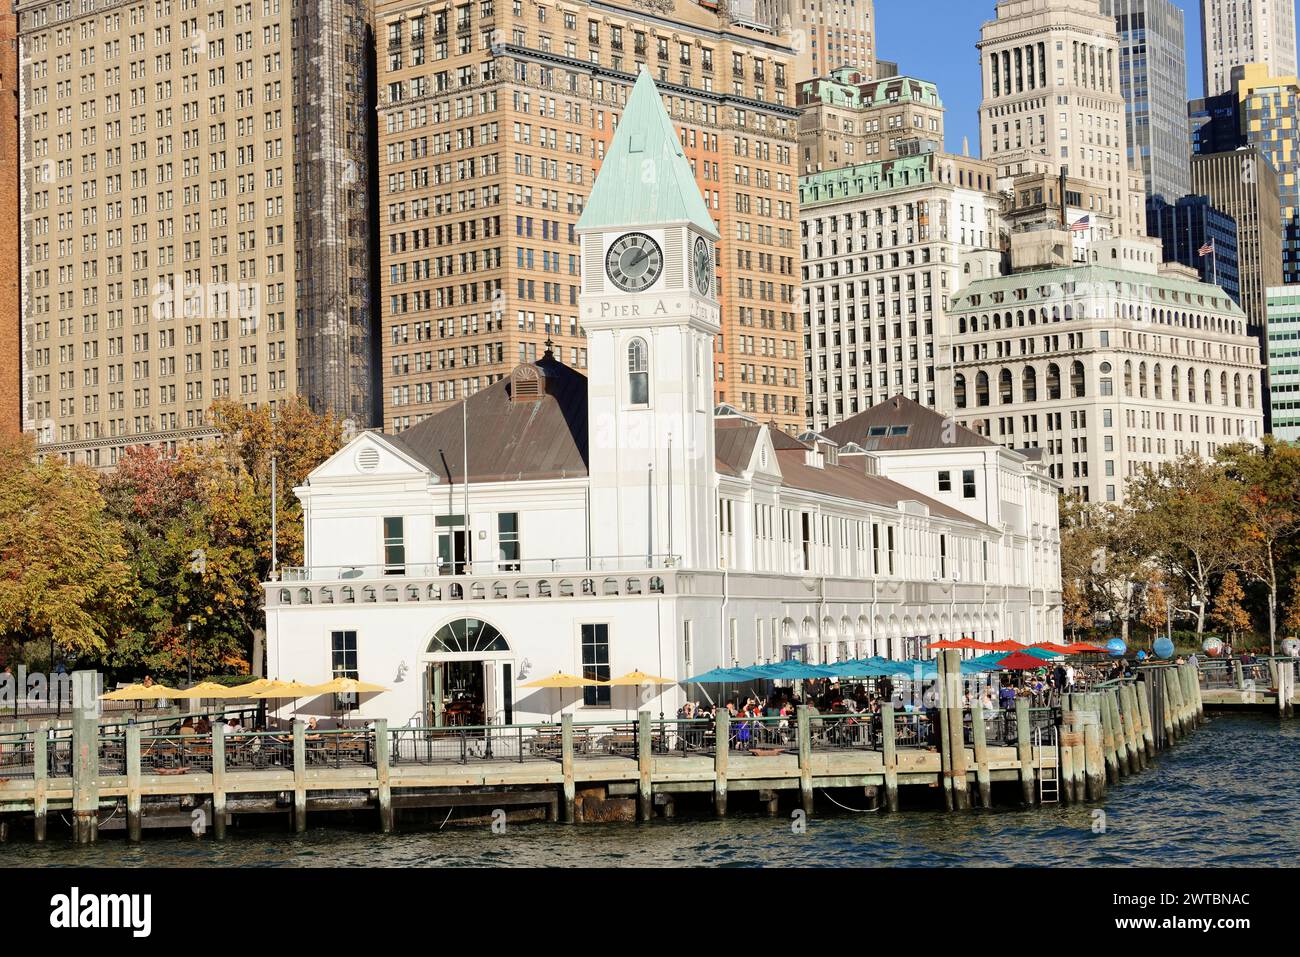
<point x="203" y="725"/>
<point x="312" y="733"/>
<point x="187" y="727"/>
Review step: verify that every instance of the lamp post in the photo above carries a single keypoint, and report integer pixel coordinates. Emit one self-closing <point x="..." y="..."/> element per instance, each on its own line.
<point x="189" y="652"/>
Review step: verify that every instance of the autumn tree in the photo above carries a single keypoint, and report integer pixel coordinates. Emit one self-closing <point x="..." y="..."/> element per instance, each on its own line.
<point x="1228" y="612"/>
<point x="1266" y="519"/>
<point x="1182" y="515"/>
<point x="62" y="562"/>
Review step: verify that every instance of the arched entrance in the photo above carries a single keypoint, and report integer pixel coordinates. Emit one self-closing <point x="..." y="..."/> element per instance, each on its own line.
<point x="469" y="675"/>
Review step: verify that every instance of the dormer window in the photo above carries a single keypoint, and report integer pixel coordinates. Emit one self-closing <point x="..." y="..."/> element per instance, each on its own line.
<point x="638" y="372"/>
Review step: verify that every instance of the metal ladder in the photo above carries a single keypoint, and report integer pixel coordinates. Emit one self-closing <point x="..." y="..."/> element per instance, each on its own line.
<point x="1049" y="783"/>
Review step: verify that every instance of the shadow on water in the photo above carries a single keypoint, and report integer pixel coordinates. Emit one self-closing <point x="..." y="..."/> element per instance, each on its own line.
<point x="1227" y="796"/>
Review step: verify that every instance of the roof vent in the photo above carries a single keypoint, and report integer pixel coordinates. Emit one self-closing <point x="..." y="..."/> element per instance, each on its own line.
<point x="368" y="459"/>
<point x="526" y="384"/>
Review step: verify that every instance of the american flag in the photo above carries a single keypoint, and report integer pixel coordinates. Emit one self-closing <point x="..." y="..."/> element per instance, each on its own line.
<point x="1082" y="225"/>
<point x="1207" y="249"/>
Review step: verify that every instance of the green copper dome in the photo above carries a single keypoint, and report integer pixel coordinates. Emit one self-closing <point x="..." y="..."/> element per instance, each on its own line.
<point x="645" y="179"/>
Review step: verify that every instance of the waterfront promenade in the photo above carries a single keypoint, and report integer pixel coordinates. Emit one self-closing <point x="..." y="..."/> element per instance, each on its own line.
<point x="134" y="777"/>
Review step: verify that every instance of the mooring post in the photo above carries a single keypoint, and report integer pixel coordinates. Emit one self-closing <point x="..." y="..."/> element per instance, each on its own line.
<point x="1142" y="692"/>
<point x="979" y="740"/>
<point x="134" y="799"/>
<point x="1189" y="696"/>
<point x="805" y="760"/>
<point x="85" y="776"/>
<point x="1137" y="754"/>
<point x="645" y="767"/>
<point x="889" y="754"/>
<point x="1122" y="756"/>
<point x="566" y="768"/>
<point x="40" y="780"/>
<point x="951" y="680"/>
<point x="299" y="777"/>
<point x="383" y="775"/>
<point x="1176" y="701"/>
<point x="219" y="780"/>
<point x="1238" y="675"/>
<point x="1107" y="738"/>
<point x="722" y="751"/>
<point x="1094" y="764"/>
<point x="1069" y="749"/>
<point x="945" y="741"/>
<point x="1025" y="750"/>
<point x="1167" y="707"/>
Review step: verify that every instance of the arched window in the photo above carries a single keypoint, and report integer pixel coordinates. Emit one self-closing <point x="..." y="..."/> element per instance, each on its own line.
<point x="1128" y="378"/>
<point x="1158" y="383"/>
<point x="1236" y="390"/>
<point x="1250" y="391"/>
<point x="1053" y="381"/>
<point x="638" y="372"/>
<point x="982" y="388"/>
<point x="1175" y="384"/>
<point x="1142" y="379"/>
<point x="1077" y="387"/>
<point x="1004" y="387"/>
<point x="467" y="635"/>
<point x="1029" y="385"/>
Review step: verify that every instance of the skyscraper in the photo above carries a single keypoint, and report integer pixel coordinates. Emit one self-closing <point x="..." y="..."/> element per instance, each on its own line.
<point x="11" y="416"/>
<point x="1153" y="79"/>
<point x="1269" y="112"/>
<point x="1200" y="237"/>
<point x="1052" y="100"/>
<point x="830" y="34"/>
<point x="1237" y="32"/>
<point x="1284" y="361"/>
<point x="196" y="216"/>
<point x="494" y="117"/>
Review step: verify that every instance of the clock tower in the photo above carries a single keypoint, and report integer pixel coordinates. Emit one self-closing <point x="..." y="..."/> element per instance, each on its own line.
<point x="650" y="310"/>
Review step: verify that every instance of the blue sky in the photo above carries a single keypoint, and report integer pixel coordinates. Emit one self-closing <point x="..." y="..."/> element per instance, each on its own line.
<point x="935" y="40"/>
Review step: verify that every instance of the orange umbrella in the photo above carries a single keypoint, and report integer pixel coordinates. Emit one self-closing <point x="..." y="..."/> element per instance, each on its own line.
<point x="1083" y="648"/>
<point x="1007" y="645"/>
<point x="956" y="643"/>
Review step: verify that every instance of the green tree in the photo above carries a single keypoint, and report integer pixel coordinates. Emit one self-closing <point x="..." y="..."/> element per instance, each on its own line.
<point x="62" y="561"/>
<point x="1266" y="519"/>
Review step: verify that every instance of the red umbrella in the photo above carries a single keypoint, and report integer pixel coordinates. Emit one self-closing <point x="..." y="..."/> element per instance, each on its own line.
<point x="1007" y="645"/>
<point x="1082" y="648"/>
<point x="1018" y="662"/>
<point x="957" y="643"/>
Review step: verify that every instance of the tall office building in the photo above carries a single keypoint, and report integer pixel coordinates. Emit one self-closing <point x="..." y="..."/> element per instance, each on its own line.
<point x="846" y="119"/>
<point x="1153" y="79"/>
<point x="1269" y="111"/>
<point x="494" y="117"/>
<point x="830" y="34"/>
<point x="1052" y="100"/>
<point x="1191" y="225"/>
<point x="885" y="247"/>
<point x="11" y="416"/>
<point x="1237" y="32"/>
<point x="1244" y="185"/>
<point x="196" y="216"/>
<point x="1284" y="361"/>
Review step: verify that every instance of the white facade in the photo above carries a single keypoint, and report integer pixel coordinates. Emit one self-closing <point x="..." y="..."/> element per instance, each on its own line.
<point x="683" y="540"/>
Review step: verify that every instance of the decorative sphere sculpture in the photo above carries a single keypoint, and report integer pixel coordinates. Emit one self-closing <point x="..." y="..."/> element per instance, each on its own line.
<point x="1212" y="647"/>
<point x="1116" y="647"/>
<point x="1163" y="647"/>
<point x="1291" y="647"/>
<point x="1141" y="656"/>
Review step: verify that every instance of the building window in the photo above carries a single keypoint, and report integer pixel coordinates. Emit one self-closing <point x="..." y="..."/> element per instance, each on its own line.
<point x="638" y="372"/>
<point x="945" y="481"/>
<point x="394" y="547"/>
<point x="889" y="547"/>
<point x="968" y="483"/>
<point x="508" y="541"/>
<point x="943" y="556"/>
<point x="343" y="664"/>
<point x="595" y="664"/>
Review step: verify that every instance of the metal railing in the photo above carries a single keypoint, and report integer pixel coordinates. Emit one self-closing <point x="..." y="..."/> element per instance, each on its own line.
<point x="913" y="730"/>
<point x="17" y="755"/>
<point x="258" y="750"/>
<point x="480" y="569"/>
<point x="339" y="748"/>
<point x="175" y="753"/>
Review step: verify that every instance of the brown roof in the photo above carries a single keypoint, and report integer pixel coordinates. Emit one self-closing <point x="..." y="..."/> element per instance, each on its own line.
<point x="509" y="441"/>
<point x="926" y="428"/>
<point x="734" y="440"/>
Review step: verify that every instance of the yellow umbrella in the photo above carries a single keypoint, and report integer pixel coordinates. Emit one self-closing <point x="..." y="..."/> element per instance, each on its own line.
<point x="641" y="678"/>
<point x="250" y="688"/>
<point x="205" y="689"/>
<point x="141" y="693"/>
<point x="561" y="680"/>
<point x="349" y="686"/>
<point x="284" y="689"/>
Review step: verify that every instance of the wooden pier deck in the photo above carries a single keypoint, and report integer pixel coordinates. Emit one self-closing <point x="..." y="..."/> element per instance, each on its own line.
<point x="579" y="772"/>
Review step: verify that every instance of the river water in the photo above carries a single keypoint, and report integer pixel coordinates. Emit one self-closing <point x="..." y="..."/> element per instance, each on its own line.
<point x="1228" y="796"/>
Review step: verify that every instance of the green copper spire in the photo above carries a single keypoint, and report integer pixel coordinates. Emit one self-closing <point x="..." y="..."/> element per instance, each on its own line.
<point x="645" y="179"/>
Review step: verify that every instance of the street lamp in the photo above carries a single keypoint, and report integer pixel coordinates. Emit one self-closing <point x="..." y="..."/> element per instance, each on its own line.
<point x="189" y="652"/>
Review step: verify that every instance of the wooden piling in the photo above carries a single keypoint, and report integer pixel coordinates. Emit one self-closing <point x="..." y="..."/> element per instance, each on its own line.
<point x="1122" y="758"/>
<point x="1174" y="680"/>
<point x="219" y="780"/>
<point x="1071" y="744"/>
<point x="979" y="739"/>
<point x="645" y="767"/>
<point x="299" y="777"/>
<point x="85" y="777"/>
<point x="1094" y="762"/>
<point x="945" y="746"/>
<point x="1025" y="751"/>
<point x="950" y="681"/>
<point x="1167" y="708"/>
<point x="134" y="824"/>
<point x="383" y="775"/>
<point x="721" y="752"/>
<point x="805" y="760"/>
<point x="40" y="780"/>
<point x="889" y="753"/>
<point x="1141" y="692"/>
<point x="1109" y="750"/>
<point x="566" y="768"/>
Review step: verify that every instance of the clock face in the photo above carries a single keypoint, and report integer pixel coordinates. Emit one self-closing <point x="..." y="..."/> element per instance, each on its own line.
<point x="634" y="262"/>
<point x="702" y="266"/>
